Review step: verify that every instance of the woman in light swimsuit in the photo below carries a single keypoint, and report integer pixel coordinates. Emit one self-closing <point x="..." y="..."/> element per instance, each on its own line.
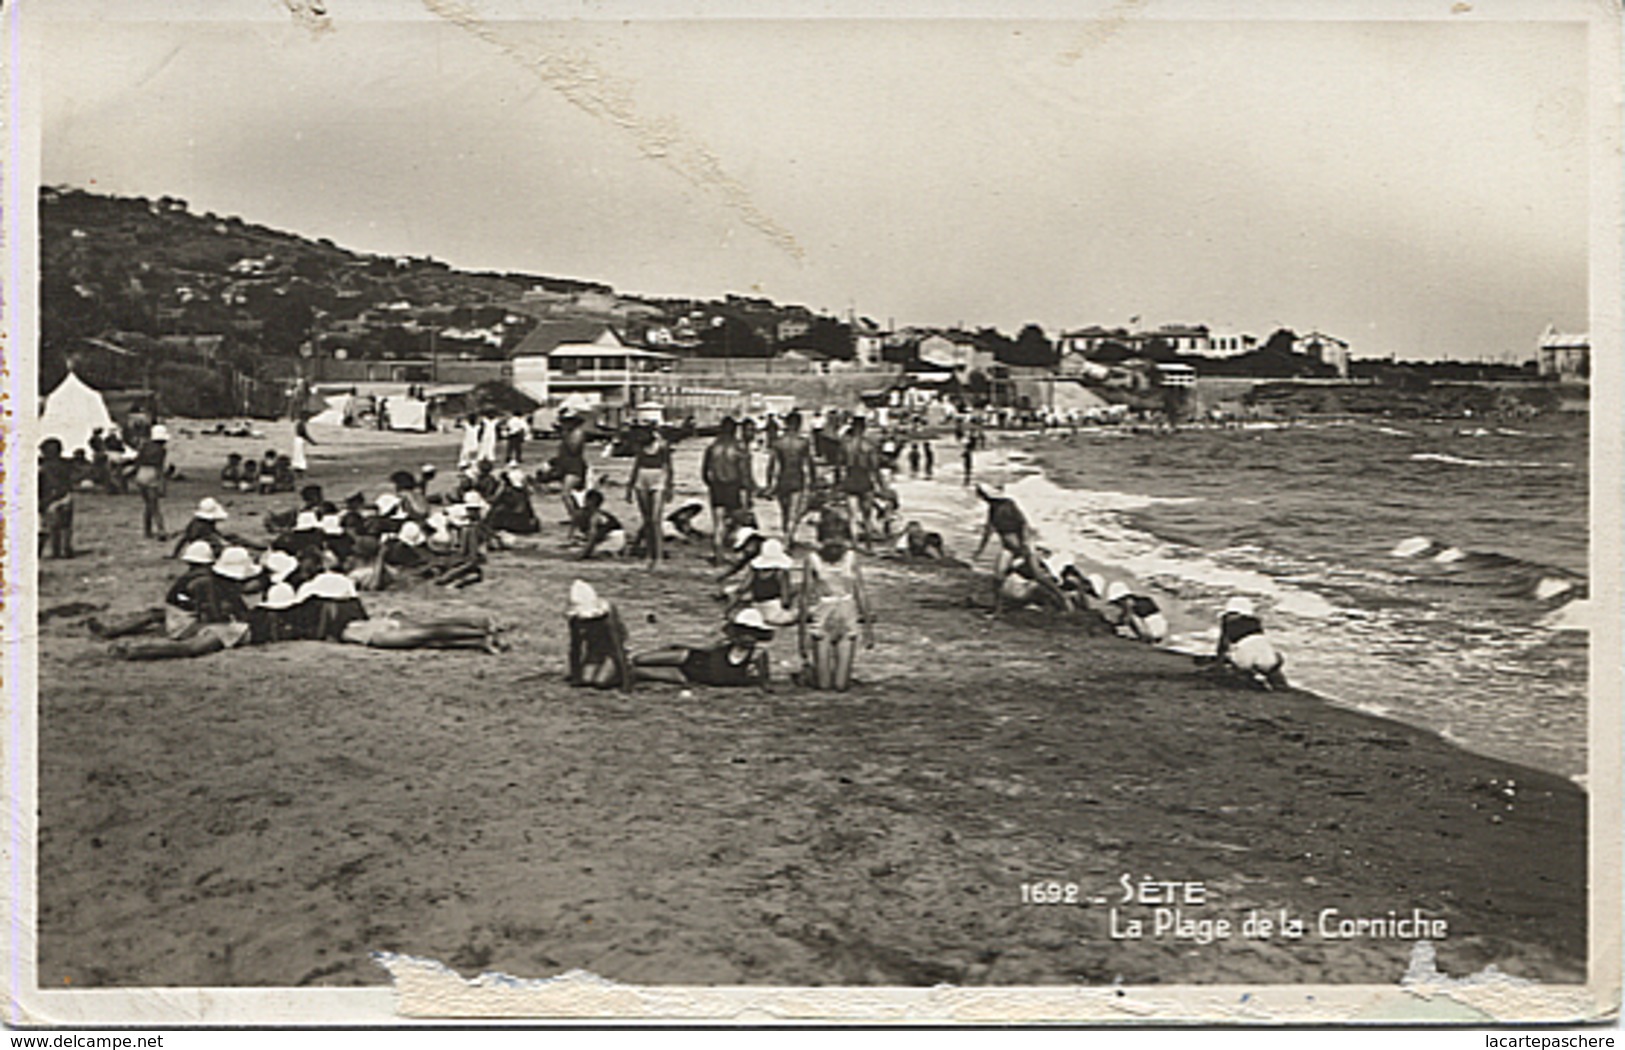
<point x="833" y="605"/>
<point x="652" y="483"/>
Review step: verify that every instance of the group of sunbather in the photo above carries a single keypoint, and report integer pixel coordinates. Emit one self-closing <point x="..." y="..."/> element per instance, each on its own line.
<point x="1026" y="575"/>
<point x="764" y="589"/>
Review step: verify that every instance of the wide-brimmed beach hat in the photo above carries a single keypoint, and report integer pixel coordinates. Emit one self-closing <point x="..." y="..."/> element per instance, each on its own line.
<point x="412" y="535"/>
<point x="388" y="504"/>
<point x="773" y="556"/>
<point x="332" y="585"/>
<point x="209" y="509"/>
<point x="457" y="514"/>
<point x="1097" y="583"/>
<point x="1117" y="591"/>
<point x="235" y="563"/>
<point x="516" y="476"/>
<point x="198" y="552"/>
<point x="584" y="602"/>
<point x="744" y="536"/>
<point x="1238" y="606"/>
<point x="474" y="501"/>
<point x="280" y="596"/>
<point x="751" y="620"/>
<point x="159" y="433"/>
<point x="278" y="564"/>
<point x="428" y="468"/>
<point x="332" y="525"/>
<point x="306" y="521"/>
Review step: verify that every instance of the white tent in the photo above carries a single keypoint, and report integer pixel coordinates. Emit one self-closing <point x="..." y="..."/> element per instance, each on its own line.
<point x="407" y="413"/>
<point x="72" y="411"/>
<point x="338" y="411"/>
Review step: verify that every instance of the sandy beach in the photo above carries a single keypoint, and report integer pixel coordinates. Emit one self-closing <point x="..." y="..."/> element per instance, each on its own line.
<point x="271" y="816"/>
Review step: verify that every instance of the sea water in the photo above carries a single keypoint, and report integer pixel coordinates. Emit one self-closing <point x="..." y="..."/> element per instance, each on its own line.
<point x="1433" y="572"/>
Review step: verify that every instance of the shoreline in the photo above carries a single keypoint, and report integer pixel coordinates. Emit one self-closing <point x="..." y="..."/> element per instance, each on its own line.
<point x="272" y="816"/>
<point x="1035" y="458"/>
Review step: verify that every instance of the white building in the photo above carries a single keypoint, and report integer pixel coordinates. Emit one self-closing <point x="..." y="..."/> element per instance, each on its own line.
<point x="560" y="358"/>
<point x="1565" y="356"/>
<point x="1327" y="349"/>
<point x="959" y="353"/>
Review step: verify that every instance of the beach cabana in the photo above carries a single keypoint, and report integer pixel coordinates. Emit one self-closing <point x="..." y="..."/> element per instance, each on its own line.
<point x="72" y="412"/>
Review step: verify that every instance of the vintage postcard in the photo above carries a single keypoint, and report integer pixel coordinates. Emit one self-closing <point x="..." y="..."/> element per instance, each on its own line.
<point x="1032" y="513"/>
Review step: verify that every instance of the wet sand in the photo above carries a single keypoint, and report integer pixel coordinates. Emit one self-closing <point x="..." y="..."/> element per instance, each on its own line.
<point x="271" y="816"/>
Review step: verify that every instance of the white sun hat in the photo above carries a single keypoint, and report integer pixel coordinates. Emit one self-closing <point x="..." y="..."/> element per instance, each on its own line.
<point x="278" y="564"/>
<point x="1117" y="591"/>
<point x="1238" y="606"/>
<point x="307" y="521"/>
<point x="773" y="556"/>
<point x="332" y="585"/>
<point x="412" y="535"/>
<point x="751" y="620"/>
<point x="332" y="525"/>
<point x="584" y="602"/>
<point x="159" y="433"/>
<point x="235" y="563"/>
<point x="280" y="596"/>
<point x="388" y="504"/>
<point x="209" y="509"/>
<point x="743" y="536"/>
<point x="198" y="552"/>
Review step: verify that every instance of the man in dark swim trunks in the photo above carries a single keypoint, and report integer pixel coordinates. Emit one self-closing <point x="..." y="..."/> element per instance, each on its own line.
<point x="862" y="478"/>
<point x="791" y="475"/>
<point x="724" y="479"/>
<point x="571" y="466"/>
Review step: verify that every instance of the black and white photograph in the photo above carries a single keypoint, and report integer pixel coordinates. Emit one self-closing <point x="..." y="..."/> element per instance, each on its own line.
<point x="887" y="514"/>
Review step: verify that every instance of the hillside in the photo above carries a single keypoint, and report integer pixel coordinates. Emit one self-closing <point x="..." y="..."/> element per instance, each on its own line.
<point x="138" y="275"/>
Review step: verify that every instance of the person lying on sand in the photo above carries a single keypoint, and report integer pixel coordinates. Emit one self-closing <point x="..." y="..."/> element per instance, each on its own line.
<point x="1139" y="615"/>
<point x="917" y="544"/>
<point x="215" y="599"/>
<point x="679" y="525"/>
<point x="597" y="640"/>
<point x="1243" y="648"/>
<point x="738" y="660"/>
<point x="334" y="613"/>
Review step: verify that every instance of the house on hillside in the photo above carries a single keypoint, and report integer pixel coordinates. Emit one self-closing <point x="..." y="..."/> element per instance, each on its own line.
<point x="1085" y="341"/>
<point x="1327" y="349"/>
<point x="1181" y="338"/>
<point x="1565" y="356"/>
<point x="1230" y="344"/>
<point x="560" y="358"/>
<point x="955" y="350"/>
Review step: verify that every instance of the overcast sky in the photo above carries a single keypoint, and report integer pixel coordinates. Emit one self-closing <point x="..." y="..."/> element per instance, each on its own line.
<point x="1412" y="187"/>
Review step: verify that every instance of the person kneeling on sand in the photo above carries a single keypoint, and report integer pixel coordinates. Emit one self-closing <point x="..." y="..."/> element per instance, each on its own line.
<point x="597" y="640"/>
<point x="1017" y="553"/>
<point x="738" y="660"/>
<point x="767" y="587"/>
<point x="1139" y="616"/>
<point x="833" y="605"/>
<point x="1244" y="649"/>
<point x="917" y="544"/>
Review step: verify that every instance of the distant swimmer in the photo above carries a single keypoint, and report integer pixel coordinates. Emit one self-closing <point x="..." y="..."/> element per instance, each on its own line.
<point x="1140" y="615"/>
<point x="1243" y="647"/>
